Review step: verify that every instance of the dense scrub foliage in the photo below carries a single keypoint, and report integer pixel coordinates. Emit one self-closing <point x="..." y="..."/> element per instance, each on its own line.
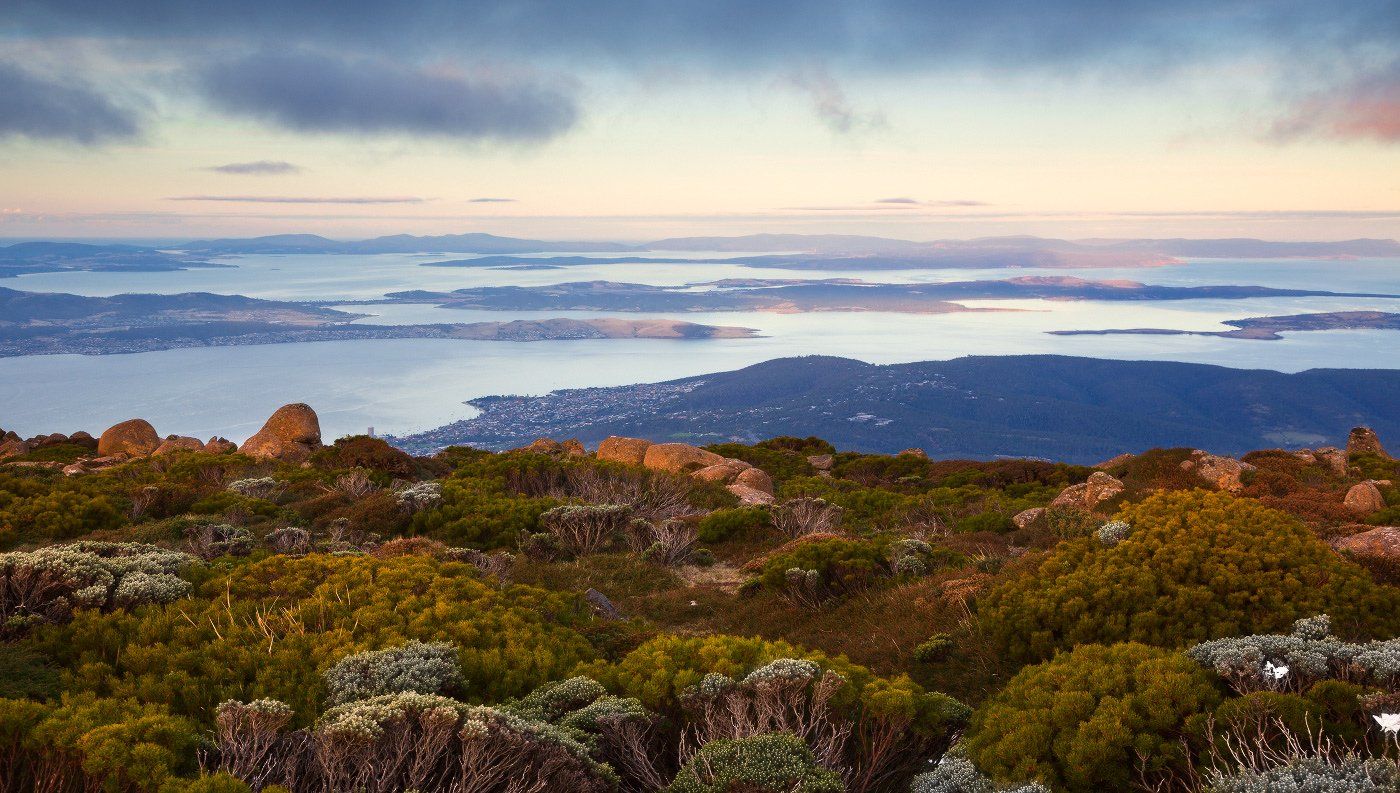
<point x="544" y="620"/>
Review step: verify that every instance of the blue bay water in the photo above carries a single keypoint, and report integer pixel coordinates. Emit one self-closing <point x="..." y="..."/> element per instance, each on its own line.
<point x="402" y="386"/>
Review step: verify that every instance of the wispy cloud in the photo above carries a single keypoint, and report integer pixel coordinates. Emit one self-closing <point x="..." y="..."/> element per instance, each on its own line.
<point x="1368" y="108"/>
<point x="47" y="109"/>
<point x="314" y="92"/>
<point x="256" y="168"/>
<point x="491" y="201"/>
<point x="267" y="199"/>
<point x="830" y="104"/>
<point x="895" y="204"/>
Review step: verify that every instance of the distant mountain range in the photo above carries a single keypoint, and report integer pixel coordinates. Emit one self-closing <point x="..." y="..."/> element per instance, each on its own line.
<point x="1056" y="407"/>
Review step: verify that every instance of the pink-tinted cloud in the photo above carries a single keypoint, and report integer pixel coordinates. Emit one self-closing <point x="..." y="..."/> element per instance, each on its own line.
<point x="1367" y="109"/>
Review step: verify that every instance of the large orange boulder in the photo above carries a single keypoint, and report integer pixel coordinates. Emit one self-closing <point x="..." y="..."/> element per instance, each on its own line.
<point x="623" y="450"/>
<point x="724" y="472"/>
<point x="133" y="438"/>
<point x="1223" y="472"/>
<point x="678" y="457"/>
<point x="291" y="434"/>
<point x="1382" y="542"/>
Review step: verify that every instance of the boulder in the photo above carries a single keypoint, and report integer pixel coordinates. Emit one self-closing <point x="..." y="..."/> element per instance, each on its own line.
<point x="1116" y="462"/>
<point x="1099" y="488"/>
<point x="1332" y="457"/>
<point x="291" y="434"/>
<point x="1220" y="471"/>
<point x="217" y="445"/>
<point x="1027" y="517"/>
<point x="179" y="443"/>
<point x="553" y="448"/>
<point x="45" y="441"/>
<point x="1364" y="498"/>
<point x="678" y="457"/>
<point x="83" y="439"/>
<point x="133" y="438"/>
<point x="821" y="462"/>
<point x="749" y="496"/>
<point x="1363" y="440"/>
<point x="13" y="448"/>
<point x="623" y="450"/>
<point x="920" y="453"/>
<point x="756" y="478"/>
<point x="601" y="605"/>
<point x="724" y="472"/>
<point x="1382" y="542"/>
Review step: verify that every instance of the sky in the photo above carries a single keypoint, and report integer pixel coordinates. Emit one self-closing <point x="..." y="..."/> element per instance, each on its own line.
<point x="919" y="119"/>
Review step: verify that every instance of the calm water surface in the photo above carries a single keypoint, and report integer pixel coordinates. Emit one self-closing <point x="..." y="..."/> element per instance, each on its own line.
<point x="401" y="386"/>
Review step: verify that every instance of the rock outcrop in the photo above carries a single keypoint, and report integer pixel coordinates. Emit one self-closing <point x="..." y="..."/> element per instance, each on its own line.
<point x="1364" y="498"/>
<point x="14" y="447"/>
<point x="724" y="473"/>
<point x="1115" y="462"/>
<point x="1027" y="517"/>
<point x="1332" y="457"/>
<point x="678" y="457"/>
<point x="179" y="443"/>
<point x="755" y="478"/>
<point x="821" y="462"/>
<point x="1222" y="472"/>
<point x="623" y="450"/>
<point x="291" y="434"/>
<point x="1099" y="488"/>
<point x="750" y="497"/>
<point x="217" y="445"/>
<point x="133" y="438"/>
<point x="1363" y="440"/>
<point x="920" y="453"/>
<point x="1382" y="542"/>
<point x="570" y="448"/>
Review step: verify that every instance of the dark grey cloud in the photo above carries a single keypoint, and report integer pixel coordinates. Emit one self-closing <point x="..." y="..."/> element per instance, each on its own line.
<point x="268" y="199"/>
<point x="257" y="168"/>
<point x="491" y="201"/>
<point x="46" y="109"/>
<point x="892" y="35"/>
<point x="315" y="92"/>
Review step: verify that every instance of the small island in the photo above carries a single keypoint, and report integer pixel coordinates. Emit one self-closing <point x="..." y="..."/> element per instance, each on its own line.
<point x="1267" y="328"/>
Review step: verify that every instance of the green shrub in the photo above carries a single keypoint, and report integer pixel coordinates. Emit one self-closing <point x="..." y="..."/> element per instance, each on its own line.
<point x="994" y="522"/>
<point x="1196" y="566"/>
<point x="1092" y="719"/>
<point x="778" y="763"/>
<point x="724" y="524"/>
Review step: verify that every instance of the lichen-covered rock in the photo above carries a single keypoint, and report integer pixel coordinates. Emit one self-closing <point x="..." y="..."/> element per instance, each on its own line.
<point x="750" y="497"/>
<point x="569" y="448"/>
<point x="1333" y="458"/>
<point x="217" y="445"/>
<point x="1220" y="471"/>
<point x="623" y="450"/>
<point x="678" y="457"/>
<point x="1382" y="542"/>
<point x="821" y="462"/>
<point x="756" y="478"/>
<point x="179" y="443"/>
<point x="1099" y="488"/>
<point x="920" y="453"/>
<point x="1027" y="517"/>
<point x="1363" y="440"/>
<point x="291" y="434"/>
<point x="13" y="448"/>
<point x="1364" y="498"/>
<point x="133" y="438"/>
